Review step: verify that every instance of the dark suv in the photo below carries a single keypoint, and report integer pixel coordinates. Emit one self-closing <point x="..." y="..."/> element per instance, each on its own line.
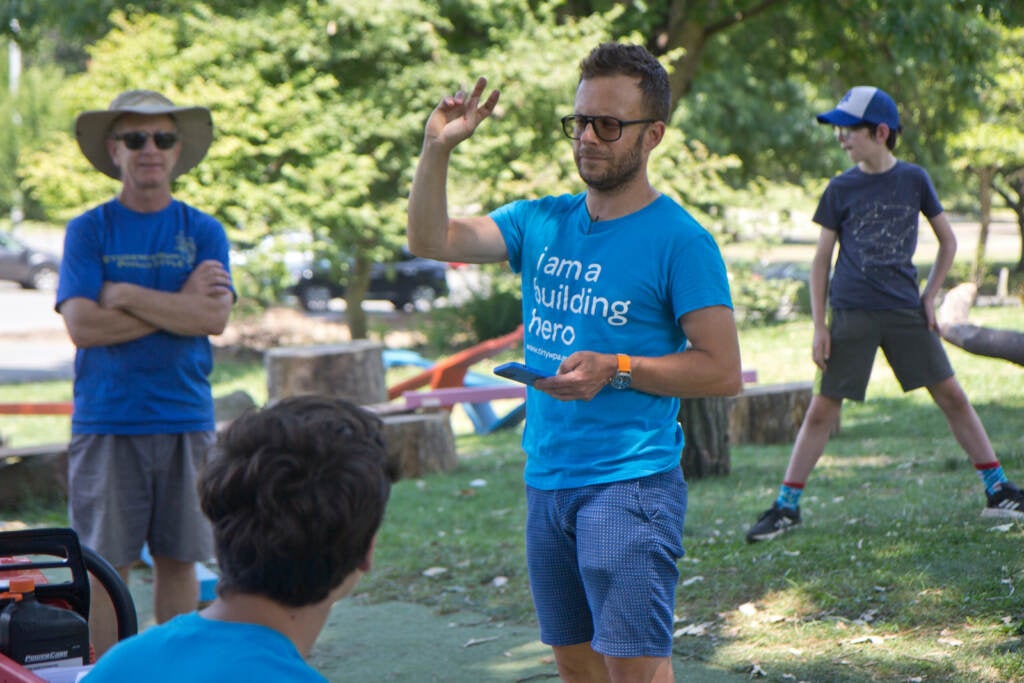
<point x="408" y="282"/>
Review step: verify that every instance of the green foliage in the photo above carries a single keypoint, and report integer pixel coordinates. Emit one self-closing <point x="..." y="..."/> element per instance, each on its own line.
<point x="319" y="107"/>
<point x="28" y="116"/>
<point x="963" y="271"/>
<point x="308" y="136"/>
<point x="991" y="146"/>
<point x="493" y="309"/>
<point x="319" y="111"/>
<point x="758" y="301"/>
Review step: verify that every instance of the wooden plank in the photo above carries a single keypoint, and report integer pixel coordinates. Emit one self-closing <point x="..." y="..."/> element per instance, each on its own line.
<point x="443" y="398"/>
<point x="42" y="408"/>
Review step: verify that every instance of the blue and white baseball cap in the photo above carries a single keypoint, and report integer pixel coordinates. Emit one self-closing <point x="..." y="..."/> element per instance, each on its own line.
<point x="864" y="104"/>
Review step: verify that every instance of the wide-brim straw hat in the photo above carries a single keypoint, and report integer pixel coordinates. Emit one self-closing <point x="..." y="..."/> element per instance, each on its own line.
<point x="194" y="124"/>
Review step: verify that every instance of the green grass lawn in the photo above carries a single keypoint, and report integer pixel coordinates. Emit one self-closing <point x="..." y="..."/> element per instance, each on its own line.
<point x="892" y="577"/>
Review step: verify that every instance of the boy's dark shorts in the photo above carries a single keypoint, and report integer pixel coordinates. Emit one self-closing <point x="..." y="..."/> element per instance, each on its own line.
<point x="914" y="352"/>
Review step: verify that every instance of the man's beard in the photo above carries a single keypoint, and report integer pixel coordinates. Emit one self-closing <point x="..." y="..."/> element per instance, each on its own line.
<point x="621" y="172"/>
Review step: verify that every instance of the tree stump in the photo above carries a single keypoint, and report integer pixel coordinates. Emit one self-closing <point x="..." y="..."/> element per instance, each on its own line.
<point x="229" y="407"/>
<point x="769" y="413"/>
<point x="351" y="370"/>
<point x="420" y="443"/>
<point x="417" y="443"/>
<point x="705" y="423"/>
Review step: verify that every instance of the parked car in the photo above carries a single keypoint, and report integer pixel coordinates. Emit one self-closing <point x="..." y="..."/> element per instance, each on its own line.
<point x="786" y="270"/>
<point x="30" y="267"/>
<point x="408" y="282"/>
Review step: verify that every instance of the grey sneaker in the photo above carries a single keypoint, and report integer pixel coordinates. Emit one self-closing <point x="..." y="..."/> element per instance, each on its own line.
<point x="1008" y="501"/>
<point x="772" y="522"/>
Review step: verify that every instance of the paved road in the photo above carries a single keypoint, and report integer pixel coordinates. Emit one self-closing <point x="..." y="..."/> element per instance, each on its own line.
<point x="34" y="345"/>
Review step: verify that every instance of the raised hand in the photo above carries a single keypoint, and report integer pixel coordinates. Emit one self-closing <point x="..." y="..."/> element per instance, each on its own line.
<point x="457" y="116"/>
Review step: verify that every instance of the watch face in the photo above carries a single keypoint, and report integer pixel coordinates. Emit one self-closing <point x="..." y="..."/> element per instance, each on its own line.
<point x="621" y="381"/>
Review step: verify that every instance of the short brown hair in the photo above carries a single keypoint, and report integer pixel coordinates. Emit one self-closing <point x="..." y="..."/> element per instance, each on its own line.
<point x="622" y="59"/>
<point x="296" y="493"/>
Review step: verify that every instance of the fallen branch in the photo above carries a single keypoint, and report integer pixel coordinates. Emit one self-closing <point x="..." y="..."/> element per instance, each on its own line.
<point x="986" y="341"/>
<point x="981" y="341"/>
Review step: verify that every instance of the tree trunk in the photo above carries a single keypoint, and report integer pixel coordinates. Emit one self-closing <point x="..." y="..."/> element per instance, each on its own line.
<point x="984" y="341"/>
<point x="355" y="294"/>
<point x="770" y="413"/>
<point x="985" y="176"/>
<point x="1014" y="198"/>
<point x="351" y="370"/>
<point x="705" y="424"/>
<point x="421" y="443"/>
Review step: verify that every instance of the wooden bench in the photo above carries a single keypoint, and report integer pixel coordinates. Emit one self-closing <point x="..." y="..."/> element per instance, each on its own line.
<point x="40" y="408"/>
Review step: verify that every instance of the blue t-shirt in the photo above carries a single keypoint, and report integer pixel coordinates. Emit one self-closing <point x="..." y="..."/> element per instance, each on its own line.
<point x="157" y="384"/>
<point x="876" y="218"/>
<point x="616" y="286"/>
<point x="198" y="650"/>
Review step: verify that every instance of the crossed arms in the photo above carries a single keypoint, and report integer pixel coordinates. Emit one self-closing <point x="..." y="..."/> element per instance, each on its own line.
<point x="126" y="311"/>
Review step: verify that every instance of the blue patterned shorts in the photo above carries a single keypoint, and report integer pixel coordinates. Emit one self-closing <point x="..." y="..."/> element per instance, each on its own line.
<point x="602" y="563"/>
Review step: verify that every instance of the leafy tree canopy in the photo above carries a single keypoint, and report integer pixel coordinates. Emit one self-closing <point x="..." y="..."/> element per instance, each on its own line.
<point x="319" y="112"/>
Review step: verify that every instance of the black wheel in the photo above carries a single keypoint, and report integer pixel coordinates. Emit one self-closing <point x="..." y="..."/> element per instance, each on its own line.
<point x="419" y="298"/>
<point x="43" y="278"/>
<point x="315" y="298"/>
<point x="124" y="606"/>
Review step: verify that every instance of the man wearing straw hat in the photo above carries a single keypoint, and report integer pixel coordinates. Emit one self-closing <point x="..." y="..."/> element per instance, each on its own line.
<point x="144" y="280"/>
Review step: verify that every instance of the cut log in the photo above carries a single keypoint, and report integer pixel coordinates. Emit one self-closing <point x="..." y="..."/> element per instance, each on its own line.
<point x="705" y="425"/>
<point x="351" y="370"/>
<point x="228" y="407"/>
<point x="769" y="413"/>
<point x="982" y="341"/>
<point x="956" y="304"/>
<point x="987" y="341"/>
<point x="420" y="443"/>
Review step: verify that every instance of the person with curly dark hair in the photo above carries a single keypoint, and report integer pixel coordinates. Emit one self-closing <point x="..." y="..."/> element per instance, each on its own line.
<point x="295" y="493"/>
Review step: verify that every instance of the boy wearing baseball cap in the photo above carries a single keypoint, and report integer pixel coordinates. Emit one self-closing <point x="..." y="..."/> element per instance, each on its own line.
<point x="871" y="210"/>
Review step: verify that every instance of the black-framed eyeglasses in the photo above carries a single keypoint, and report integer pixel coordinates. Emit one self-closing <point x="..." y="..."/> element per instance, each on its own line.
<point x="136" y="139"/>
<point x="607" y="128"/>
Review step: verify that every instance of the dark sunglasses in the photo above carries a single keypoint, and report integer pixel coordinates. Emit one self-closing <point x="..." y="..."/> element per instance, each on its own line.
<point x="136" y="139"/>
<point x="607" y="128"/>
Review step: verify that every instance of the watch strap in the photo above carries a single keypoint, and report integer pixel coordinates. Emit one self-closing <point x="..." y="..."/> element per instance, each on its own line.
<point x="624" y="364"/>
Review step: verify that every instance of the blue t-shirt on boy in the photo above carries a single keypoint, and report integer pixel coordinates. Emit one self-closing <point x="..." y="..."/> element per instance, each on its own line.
<point x="876" y="218"/>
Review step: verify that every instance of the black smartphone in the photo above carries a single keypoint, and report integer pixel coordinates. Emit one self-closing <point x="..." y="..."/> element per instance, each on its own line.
<point x="519" y="373"/>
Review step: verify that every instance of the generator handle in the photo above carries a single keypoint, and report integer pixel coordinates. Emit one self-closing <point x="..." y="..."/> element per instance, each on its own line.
<point x="117" y="590"/>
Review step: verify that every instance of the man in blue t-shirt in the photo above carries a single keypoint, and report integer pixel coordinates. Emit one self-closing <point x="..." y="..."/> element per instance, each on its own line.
<point x="143" y="281"/>
<point x="872" y="211"/>
<point x="626" y="306"/>
<point x="296" y="494"/>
